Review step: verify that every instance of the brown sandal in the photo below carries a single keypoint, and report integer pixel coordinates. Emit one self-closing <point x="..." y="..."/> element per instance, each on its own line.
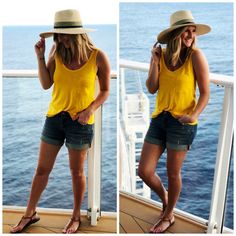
<point x="32" y="220"/>
<point x="171" y="221"/>
<point x="69" y="224"/>
<point x="160" y="217"/>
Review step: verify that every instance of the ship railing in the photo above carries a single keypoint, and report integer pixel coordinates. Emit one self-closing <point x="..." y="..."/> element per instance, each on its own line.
<point x="135" y="119"/>
<point x="94" y="154"/>
<point x="224" y="148"/>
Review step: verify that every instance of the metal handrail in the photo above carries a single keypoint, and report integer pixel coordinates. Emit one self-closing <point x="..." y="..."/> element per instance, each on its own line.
<point x="33" y="74"/>
<point x="219" y="79"/>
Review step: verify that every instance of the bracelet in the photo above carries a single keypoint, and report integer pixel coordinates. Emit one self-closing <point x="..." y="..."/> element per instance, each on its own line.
<point x="41" y="58"/>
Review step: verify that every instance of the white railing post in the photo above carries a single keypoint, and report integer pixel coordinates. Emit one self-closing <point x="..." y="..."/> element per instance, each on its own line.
<point x="216" y="218"/>
<point x="94" y="169"/>
<point x="132" y="162"/>
<point x="122" y="89"/>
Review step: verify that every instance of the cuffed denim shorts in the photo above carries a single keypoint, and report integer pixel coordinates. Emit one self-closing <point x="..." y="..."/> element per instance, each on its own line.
<point x="61" y="128"/>
<point x="167" y="131"/>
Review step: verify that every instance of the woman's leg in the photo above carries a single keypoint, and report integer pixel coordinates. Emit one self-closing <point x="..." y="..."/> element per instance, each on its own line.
<point x="47" y="156"/>
<point x="147" y="167"/>
<point x="77" y="159"/>
<point x="174" y="164"/>
<point x="175" y="161"/>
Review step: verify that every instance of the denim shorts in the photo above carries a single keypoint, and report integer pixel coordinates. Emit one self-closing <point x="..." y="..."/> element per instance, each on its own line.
<point x="167" y="131"/>
<point x="61" y="128"/>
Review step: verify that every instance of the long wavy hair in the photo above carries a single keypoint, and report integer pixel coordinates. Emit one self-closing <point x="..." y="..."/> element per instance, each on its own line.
<point x="80" y="45"/>
<point x="174" y="46"/>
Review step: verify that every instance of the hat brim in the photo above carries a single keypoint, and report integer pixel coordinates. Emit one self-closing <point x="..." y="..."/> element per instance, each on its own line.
<point x="201" y="29"/>
<point x="65" y="31"/>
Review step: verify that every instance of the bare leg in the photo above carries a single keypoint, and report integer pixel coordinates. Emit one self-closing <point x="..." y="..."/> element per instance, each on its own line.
<point x="175" y="161"/>
<point x="47" y="156"/>
<point x="147" y="166"/>
<point x="77" y="159"/>
<point x="174" y="164"/>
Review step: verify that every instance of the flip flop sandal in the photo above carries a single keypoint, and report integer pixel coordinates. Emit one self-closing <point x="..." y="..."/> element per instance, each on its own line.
<point x="160" y="217"/>
<point x="31" y="221"/>
<point x="171" y="221"/>
<point x="155" y="225"/>
<point x="72" y="220"/>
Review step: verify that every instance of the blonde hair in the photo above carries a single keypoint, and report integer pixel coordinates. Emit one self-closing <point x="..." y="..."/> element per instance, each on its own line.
<point x="174" y="46"/>
<point x="80" y="45"/>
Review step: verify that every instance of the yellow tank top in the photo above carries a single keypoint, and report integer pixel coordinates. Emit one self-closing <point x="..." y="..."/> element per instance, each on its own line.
<point x="177" y="89"/>
<point x="74" y="90"/>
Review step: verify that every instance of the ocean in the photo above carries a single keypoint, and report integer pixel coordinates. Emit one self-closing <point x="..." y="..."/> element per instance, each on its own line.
<point x="139" y="25"/>
<point x="25" y="104"/>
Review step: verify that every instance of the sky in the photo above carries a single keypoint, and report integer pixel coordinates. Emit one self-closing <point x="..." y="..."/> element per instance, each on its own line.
<point x="41" y="12"/>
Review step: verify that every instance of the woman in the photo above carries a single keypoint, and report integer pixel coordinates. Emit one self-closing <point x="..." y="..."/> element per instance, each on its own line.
<point x="174" y="72"/>
<point x="73" y="65"/>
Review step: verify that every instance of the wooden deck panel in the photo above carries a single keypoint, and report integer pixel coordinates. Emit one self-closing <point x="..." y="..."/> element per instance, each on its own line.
<point x="138" y="217"/>
<point x="129" y="223"/>
<point x="54" y="222"/>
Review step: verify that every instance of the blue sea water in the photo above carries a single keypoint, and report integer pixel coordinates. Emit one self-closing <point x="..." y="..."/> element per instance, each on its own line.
<point x="139" y="25"/>
<point x="25" y="104"/>
<point x="24" y="107"/>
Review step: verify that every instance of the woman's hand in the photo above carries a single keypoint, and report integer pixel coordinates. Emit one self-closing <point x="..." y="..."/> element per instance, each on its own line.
<point x="187" y="119"/>
<point x="156" y="53"/>
<point x="83" y="116"/>
<point x="40" y="48"/>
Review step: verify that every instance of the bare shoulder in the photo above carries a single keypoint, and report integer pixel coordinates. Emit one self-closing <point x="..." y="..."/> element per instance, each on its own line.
<point x="198" y="57"/>
<point x="101" y="57"/>
<point x="200" y="65"/>
<point x="102" y="61"/>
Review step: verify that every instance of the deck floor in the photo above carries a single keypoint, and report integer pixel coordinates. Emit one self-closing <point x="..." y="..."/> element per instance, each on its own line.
<point x="138" y="217"/>
<point x="54" y="222"/>
<point x="132" y="224"/>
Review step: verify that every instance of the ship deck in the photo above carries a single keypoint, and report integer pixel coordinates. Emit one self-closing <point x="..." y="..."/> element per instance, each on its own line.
<point x="52" y="221"/>
<point x="138" y="215"/>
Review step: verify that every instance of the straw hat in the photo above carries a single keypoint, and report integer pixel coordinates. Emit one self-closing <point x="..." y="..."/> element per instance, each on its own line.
<point x="181" y="19"/>
<point x="66" y="22"/>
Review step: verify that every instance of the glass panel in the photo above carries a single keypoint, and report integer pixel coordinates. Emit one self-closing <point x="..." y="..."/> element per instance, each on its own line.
<point x="229" y="208"/>
<point x="109" y="160"/>
<point x="198" y="168"/>
<point x="24" y="108"/>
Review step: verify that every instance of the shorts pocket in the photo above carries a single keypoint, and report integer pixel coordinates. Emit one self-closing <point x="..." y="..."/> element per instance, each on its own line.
<point x="191" y="130"/>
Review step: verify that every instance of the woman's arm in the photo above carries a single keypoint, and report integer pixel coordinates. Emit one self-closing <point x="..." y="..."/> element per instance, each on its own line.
<point x="152" y="81"/>
<point x="201" y="72"/>
<point x="103" y="74"/>
<point x="45" y="72"/>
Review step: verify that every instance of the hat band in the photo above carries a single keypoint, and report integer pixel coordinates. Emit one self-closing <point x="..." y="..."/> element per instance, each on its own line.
<point x="67" y="24"/>
<point x="182" y="22"/>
